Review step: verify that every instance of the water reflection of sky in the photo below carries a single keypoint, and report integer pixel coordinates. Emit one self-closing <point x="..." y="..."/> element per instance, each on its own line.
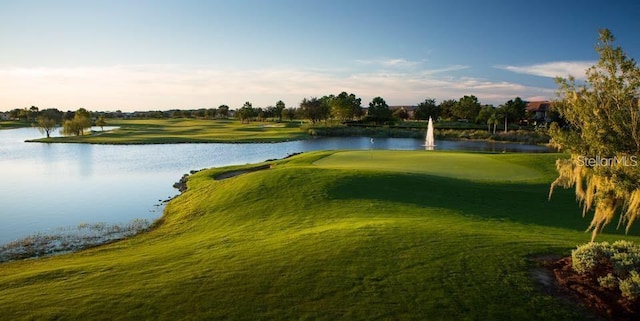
<point x="47" y="186"/>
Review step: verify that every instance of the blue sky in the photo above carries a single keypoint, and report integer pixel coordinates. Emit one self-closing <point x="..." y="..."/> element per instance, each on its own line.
<point x="143" y="55"/>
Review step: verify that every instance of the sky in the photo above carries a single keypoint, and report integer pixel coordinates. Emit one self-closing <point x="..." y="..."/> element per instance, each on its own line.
<point x="158" y="55"/>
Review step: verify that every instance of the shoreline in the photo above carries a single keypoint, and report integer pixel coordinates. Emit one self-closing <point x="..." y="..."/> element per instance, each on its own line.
<point x="243" y="142"/>
<point x="91" y="235"/>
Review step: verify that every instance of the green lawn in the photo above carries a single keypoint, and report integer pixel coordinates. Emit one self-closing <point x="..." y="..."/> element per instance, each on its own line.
<point x="445" y="164"/>
<point x="183" y="130"/>
<point x="11" y="124"/>
<point x="351" y="235"/>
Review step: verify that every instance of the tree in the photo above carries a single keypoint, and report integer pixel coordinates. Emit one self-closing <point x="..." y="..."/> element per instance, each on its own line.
<point x="501" y="116"/>
<point x="246" y="112"/>
<point x="290" y="113"/>
<point x="493" y="120"/>
<point x="401" y="113"/>
<point x="446" y="108"/>
<point x="279" y="109"/>
<point x="24" y="114"/>
<point x="68" y="115"/>
<point x="314" y="109"/>
<point x="72" y="127"/>
<point x="52" y="113"/>
<point x="223" y="111"/>
<point x="602" y="136"/>
<point x="379" y="111"/>
<point x="269" y="112"/>
<point x="46" y="125"/>
<point x="76" y="126"/>
<point x="33" y="112"/>
<point x="514" y="110"/>
<point x="260" y="114"/>
<point x="101" y="122"/>
<point x="467" y="107"/>
<point x="345" y="106"/>
<point x="485" y="114"/>
<point x="210" y="113"/>
<point x="14" y="113"/>
<point x="81" y="112"/>
<point x="426" y="109"/>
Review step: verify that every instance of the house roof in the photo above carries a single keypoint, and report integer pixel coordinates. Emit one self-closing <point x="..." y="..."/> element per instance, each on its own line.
<point x="407" y="108"/>
<point x="538" y="106"/>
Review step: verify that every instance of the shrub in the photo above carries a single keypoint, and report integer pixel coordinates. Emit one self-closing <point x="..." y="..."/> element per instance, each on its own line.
<point x="624" y="263"/>
<point x="625" y="246"/>
<point x="630" y="287"/>
<point x="591" y="257"/>
<point x="522" y="136"/>
<point x="608" y="281"/>
<point x="613" y="265"/>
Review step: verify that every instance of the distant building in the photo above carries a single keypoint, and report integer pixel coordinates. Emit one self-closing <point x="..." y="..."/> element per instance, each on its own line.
<point x="409" y="109"/>
<point x="539" y="109"/>
<point x="4" y="116"/>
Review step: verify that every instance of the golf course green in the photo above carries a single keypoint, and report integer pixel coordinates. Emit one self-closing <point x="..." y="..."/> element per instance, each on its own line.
<point x="330" y="235"/>
<point x="186" y="130"/>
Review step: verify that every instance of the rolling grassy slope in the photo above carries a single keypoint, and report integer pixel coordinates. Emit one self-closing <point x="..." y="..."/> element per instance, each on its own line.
<point x="327" y="235"/>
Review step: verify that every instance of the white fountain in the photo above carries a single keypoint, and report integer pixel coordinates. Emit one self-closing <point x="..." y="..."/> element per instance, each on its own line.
<point x="429" y="141"/>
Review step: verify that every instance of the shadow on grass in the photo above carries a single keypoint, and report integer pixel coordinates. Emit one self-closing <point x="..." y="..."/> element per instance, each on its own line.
<point x="517" y="202"/>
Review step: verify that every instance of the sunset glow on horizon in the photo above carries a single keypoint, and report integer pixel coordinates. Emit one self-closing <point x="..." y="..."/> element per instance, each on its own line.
<point x="158" y="55"/>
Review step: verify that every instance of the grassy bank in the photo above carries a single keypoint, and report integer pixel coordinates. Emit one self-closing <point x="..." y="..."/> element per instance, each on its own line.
<point x="519" y="136"/>
<point x="11" y="124"/>
<point x="354" y="235"/>
<point x="182" y="130"/>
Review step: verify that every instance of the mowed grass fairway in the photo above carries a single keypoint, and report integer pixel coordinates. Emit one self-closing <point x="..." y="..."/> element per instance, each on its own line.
<point x="346" y="235"/>
<point x="185" y="130"/>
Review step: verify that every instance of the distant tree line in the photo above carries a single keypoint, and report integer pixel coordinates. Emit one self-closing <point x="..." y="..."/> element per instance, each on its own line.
<point x="347" y="107"/>
<point x="47" y="120"/>
<point x="343" y="107"/>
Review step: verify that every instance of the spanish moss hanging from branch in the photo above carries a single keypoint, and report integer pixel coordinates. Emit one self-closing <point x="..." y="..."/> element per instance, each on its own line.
<point x="602" y="136"/>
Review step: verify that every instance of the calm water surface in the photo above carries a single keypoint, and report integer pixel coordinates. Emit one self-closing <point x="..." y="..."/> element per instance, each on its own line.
<point x="48" y="186"/>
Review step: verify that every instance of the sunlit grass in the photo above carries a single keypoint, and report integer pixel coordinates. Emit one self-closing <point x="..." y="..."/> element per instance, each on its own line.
<point x="183" y="130"/>
<point x="314" y="238"/>
<point x="10" y="124"/>
<point x="448" y="164"/>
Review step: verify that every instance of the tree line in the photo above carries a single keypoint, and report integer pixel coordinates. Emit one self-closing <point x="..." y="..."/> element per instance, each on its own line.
<point x="343" y="107"/>
<point x="48" y="120"/>
<point x="347" y="107"/>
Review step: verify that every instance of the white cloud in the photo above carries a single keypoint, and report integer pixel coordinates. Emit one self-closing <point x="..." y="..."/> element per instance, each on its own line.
<point x="403" y="64"/>
<point x="444" y="69"/>
<point x="553" y="69"/>
<point x="144" y="87"/>
<point x="390" y="62"/>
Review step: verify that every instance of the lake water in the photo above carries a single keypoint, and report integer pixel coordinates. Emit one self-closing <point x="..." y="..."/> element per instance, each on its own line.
<point x="48" y="186"/>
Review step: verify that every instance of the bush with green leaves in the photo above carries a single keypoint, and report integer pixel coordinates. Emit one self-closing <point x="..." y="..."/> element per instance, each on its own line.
<point x="608" y="281"/>
<point x="591" y="257"/>
<point x="630" y="287"/>
<point x="614" y="265"/>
